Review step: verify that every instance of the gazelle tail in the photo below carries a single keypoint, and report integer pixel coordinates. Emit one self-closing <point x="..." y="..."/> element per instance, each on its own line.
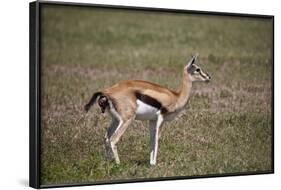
<point x="92" y="101"/>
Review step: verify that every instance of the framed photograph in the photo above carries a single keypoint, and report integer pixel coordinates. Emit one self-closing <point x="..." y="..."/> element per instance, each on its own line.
<point x="129" y="94"/>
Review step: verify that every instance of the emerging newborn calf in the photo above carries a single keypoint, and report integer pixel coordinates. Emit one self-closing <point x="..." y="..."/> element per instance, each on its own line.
<point x="141" y="100"/>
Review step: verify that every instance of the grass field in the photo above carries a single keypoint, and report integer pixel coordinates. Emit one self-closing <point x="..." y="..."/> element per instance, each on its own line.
<point x="225" y="128"/>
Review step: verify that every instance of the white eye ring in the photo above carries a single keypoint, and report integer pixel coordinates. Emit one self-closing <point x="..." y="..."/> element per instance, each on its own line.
<point x="197" y="70"/>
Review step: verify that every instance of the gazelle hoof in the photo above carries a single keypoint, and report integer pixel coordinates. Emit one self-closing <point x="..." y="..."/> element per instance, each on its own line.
<point x="153" y="162"/>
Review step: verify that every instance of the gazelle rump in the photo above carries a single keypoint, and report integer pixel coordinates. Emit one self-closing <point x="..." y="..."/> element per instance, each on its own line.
<point x="142" y="100"/>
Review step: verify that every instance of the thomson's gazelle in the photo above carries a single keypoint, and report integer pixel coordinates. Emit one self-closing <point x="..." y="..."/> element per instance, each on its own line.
<point x="141" y="100"/>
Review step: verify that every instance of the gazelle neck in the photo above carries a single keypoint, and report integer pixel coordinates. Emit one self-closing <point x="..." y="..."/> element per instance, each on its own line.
<point x="184" y="90"/>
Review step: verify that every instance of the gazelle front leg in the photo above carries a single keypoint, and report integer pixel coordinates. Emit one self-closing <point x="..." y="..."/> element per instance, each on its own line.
<point x="154" y="130"/>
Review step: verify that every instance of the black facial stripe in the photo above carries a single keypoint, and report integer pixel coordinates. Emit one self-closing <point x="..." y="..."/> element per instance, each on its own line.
<point x="150" y="101"/>
<point x="202" y="74"/>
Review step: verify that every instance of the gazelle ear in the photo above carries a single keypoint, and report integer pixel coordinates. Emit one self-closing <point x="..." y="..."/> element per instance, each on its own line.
<point x="192" y="61"/>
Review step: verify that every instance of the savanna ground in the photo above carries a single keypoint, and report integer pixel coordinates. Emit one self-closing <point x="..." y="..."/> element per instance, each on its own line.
<point x="225" y="128"/>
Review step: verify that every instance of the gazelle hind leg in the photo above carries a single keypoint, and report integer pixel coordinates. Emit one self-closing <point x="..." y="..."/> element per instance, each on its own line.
<point x="154" y="130"/>
<point x="115" y="153"/>
<point x="124" y="119"/>
<point x="113" y="126"/>
<point x="110" y="147"/>
<point x="116" y="137"/>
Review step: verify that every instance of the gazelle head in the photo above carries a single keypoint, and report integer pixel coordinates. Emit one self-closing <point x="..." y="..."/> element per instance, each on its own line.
<point x="195" y="73"/>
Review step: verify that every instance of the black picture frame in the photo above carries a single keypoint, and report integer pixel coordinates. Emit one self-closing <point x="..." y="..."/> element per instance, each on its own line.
<point x="35" y="90"/>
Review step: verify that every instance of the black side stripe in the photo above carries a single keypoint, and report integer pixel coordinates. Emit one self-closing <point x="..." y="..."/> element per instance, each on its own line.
<point x="151" y="101"/>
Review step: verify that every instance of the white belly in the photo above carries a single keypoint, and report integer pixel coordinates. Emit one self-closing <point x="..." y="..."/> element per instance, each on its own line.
<point x="145" y="111"/>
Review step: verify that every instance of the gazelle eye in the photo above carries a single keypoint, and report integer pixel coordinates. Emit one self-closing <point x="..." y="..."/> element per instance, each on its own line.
<point x="197" y="70"/>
